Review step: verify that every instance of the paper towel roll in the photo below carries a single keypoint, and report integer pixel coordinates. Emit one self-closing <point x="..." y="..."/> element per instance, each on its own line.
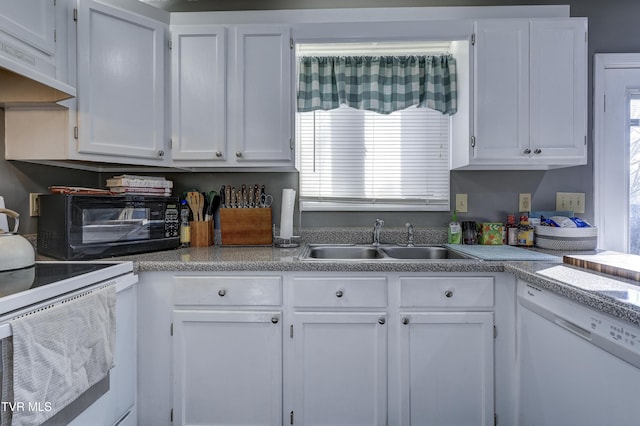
<point x="286" y="213"/>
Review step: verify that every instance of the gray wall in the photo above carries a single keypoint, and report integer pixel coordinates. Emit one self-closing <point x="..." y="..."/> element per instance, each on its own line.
<point x="491" y="194"/>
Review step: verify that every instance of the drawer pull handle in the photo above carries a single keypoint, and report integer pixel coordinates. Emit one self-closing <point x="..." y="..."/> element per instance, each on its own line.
<point x="405" y="320"/>
<point x="218" y="154"/>
<point x="381" y="320"/>
<point x="275" y="319"/>
<point x="339" y="293"/>
<point x="527" y="151"/>
<point x="537" y="151"/>
<point x="448" y="293"/>
<point x="222" y="292"/>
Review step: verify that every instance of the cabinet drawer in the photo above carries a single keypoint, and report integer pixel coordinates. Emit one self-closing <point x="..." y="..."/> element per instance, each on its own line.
<point x="447" y="292"/>
<point x="340" y="292"/>
<point x="226" y="291"/>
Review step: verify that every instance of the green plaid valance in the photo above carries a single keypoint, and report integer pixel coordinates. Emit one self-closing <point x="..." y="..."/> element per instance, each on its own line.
<point x="377" y="83"/>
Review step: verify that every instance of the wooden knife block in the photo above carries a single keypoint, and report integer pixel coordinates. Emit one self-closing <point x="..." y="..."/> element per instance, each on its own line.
<point x="247" y="227"/>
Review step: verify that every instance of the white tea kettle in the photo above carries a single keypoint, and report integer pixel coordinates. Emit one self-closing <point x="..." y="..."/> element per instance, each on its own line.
<point x="15" y="251"/>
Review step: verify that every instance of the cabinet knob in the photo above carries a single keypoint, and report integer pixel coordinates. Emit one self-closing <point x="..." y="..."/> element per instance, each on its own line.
<point x="161" y="153"/>
<point x="339" y="293"/>
<point x="218" y="154"/>
<point x="527" y="151"/>
<point x="537" y="151"/>
<point x="448" y="293"/>
<point x="381" y="320"/>
<point x="222" y="292"/>
<point x="275" y="319"/>
<point x="405" y="320"/>
<point x="238" y="154"/>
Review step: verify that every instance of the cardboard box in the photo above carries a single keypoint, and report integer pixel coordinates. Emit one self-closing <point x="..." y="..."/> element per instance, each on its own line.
<point x="247" y="227"/>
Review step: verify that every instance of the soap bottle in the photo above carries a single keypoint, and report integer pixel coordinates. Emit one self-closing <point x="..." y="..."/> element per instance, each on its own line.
<point x="454" y="233"/>
<point x="185" y="229"/>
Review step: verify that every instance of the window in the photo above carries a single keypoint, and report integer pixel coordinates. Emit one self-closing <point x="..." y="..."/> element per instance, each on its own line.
<point x="616" y="111"/>
<point x="352" y="159"/>
<point x="634" y="173"/>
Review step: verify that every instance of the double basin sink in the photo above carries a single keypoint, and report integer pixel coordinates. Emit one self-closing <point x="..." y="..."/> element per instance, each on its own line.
<point x="382" y="252"/>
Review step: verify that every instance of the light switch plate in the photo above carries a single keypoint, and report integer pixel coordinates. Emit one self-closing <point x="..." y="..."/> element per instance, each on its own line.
<point x="461" y="203"/>
<point x="573" y="201"/>
<point x="524" y="204"/>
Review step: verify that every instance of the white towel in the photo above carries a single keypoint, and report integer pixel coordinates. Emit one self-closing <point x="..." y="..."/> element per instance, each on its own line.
<point x="58" y="353"/>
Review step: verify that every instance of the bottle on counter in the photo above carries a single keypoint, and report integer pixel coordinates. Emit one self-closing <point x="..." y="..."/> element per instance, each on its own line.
<point x="511" y="230"/>
<point x="525" y="232"/>
<point x="185" y="229"/>
<point x="454" y="233"/>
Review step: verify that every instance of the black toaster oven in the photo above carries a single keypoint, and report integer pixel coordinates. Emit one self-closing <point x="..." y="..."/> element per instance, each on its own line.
<point x="77" y="227"/>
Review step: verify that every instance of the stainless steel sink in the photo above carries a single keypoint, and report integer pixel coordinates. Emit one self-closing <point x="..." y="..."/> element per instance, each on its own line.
<point x="381" y="253"/>
<point x="344" y="252"/>
<point x="424" y="252"/>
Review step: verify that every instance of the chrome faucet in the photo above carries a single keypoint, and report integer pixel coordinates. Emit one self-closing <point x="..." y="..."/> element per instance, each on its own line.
<point x="409" y="234"/>
<point x="376" y="231"/>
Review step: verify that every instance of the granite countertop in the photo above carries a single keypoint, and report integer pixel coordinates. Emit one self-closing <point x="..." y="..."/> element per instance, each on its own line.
<point x="615" y="296"/>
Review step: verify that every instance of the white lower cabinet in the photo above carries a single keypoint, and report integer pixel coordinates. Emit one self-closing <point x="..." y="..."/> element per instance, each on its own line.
<point x="227" y="354"/>
<point x="445" y="348"/>
<point x="322" y="348"/>
<point x="446" y="368"/>
<point x="339" y="335"/>
<point x="227" y="368"/>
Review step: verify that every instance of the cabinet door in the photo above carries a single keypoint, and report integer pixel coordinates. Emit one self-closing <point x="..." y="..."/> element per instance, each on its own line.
<point x="30" y="21"/>
<point x="261" y="104"/>
<point x="120" y="82"/>
<point x="198" y="92"/>
<point x="559" y="91"/>
<point x="340" y="369"/>
<point x="446" y="368"/>
<point x="227" y="368"/>
<point x="501" y="116"/>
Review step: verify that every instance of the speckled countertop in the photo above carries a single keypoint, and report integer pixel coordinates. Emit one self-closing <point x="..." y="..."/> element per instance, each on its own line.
<point x="615" y="296"/>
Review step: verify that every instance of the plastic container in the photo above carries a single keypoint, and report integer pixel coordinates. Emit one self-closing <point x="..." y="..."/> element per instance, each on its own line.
<point x="569" y="239"/>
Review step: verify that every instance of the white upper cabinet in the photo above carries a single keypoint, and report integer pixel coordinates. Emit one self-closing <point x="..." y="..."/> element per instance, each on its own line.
<point x="121" y="83"/>
<point x="250" y="123"/>
<point x="559" y="91"/>
<point x="28" y="33"/>
<point x="530" y="95"/>
<point x="198" y="64"/>
<point x="501" y="120"/>
<point x="261" y="98"/>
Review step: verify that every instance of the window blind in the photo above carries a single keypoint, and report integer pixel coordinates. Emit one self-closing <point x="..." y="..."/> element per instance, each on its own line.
<point x="359" y="160"/>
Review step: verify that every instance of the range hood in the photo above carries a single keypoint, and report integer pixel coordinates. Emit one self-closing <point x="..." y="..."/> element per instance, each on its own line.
<point x="24" y="86"/>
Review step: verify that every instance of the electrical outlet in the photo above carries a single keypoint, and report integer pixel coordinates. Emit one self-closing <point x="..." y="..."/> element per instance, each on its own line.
<point x="525" y="203"/>
<point x="461" y="203"/>
<point x="573" y="201"/>
<point x="34" y="204"/>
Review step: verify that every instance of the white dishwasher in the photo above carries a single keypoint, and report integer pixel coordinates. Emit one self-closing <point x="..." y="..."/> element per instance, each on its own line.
<point x="576" y="366"/>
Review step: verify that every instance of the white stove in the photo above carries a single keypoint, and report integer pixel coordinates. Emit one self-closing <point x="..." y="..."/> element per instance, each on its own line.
<point x="22" y="288"/>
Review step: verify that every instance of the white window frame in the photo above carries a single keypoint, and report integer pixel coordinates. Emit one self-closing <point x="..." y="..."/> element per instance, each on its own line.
<point x="615" y="194"/>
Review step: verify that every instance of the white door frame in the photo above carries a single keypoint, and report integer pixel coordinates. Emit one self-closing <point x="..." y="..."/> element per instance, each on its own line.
<point x="601" y="63"/>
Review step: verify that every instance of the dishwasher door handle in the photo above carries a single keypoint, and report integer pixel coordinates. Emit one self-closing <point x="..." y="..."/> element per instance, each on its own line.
<point x="573" y="328"/>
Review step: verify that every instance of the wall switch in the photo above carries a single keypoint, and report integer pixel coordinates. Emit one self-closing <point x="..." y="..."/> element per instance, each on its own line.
<point x="461" y="203"/>
<point x="34" y="204"/>
<point x="524" y="204"/>
<point x="573" y="201"/>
